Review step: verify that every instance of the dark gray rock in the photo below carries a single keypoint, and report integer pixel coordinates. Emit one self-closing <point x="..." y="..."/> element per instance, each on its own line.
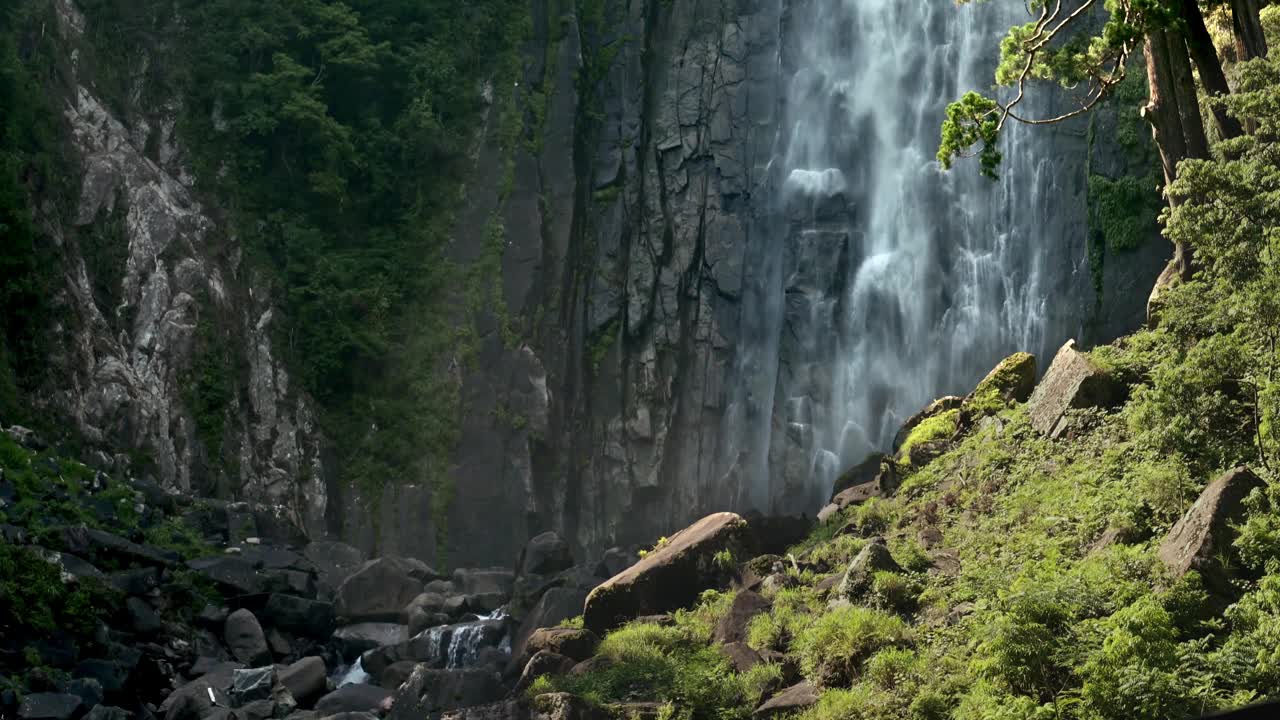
<point x="245" y="638"/>
<point x="212" y="617"/>
<point x="334" y="561"/>
<point x="545" y="554"/>
<point x="432" y="647"/>
<point x="50" y="706"/>
<point x="484" y="581"/>
<point x="352" y="698"/>
<point x="311" y="618"/>
<point x="575" y="643"/>
<point x="139" y="581"/>
<point x="103" y="548"/>
<point x="353" y="640"/>
<point x="379" y="590"/>
<point x="732" y="627"/>
<point x="241" y="523"/>
<point x="89" y="690"/>
<point x="396" y="673"/>
<point x="741" y="656"/>
<point x="429" y="692"/>
<point x="106" y="712"/>
<point x="232" y="575"/>
<point x="112" y="673"/>
<point x="305" y="679"/>
<point x="142" y="618"/>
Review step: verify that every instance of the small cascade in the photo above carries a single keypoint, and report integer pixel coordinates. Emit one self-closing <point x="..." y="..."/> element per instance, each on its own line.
<point x="468" y="639"/>
<point x="352" y="675"/>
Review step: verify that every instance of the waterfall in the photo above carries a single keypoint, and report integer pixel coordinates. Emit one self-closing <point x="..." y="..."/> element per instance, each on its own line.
<point x="883" y="282"/>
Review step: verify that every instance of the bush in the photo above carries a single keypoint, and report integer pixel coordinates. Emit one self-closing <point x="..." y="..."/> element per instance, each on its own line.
<point x="34" y="600"/>
<point x="833" y="648"/>
<point x="859" y="703"/>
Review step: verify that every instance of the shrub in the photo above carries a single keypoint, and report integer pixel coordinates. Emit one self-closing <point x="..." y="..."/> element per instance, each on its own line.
<point x="858" y="703"/>
<point x="834" y="646"/>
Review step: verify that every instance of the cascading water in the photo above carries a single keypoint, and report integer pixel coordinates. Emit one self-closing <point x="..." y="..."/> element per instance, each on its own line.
<point x="883" y="281"/>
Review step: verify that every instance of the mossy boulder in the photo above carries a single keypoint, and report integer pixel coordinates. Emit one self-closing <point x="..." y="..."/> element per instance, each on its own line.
<point x="1011" y="381"/>
<point x="672" y="576"/>
<point x="935" y="408"/>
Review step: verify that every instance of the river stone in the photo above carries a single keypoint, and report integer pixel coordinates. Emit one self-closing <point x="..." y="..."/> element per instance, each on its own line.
<point x="352" y="698"/>
<point x="429" y="692"/>
<point x="245" y="638"/>
<point x="670" y="577"/>
<point x="1204" y="535"/>
<point x="1073" y="381"/>
<point x="305" y="679"/>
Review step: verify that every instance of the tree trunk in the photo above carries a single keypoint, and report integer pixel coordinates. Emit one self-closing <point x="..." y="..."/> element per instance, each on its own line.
<point x="1214" y="79"/>
<point x="1174" y="113"/>
<point x="1250" y="41"/>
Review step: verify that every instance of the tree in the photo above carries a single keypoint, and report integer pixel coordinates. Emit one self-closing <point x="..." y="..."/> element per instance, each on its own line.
<point x="1066" y="45"/>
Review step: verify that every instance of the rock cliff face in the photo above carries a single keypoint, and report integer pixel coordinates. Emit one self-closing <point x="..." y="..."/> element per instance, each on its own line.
<point x="152" y="288"/>
<point x="632" y="351"/>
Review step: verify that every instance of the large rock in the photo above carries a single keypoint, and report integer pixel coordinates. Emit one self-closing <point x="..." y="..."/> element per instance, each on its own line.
<point x="670" y="577"/>
<point x="353" y="640"/>
<point x="544" y="664"/>
<point x="379" y="590"/>
<point x="732" y="627"/>
<point x="232" y="575"/>
<point x="883" y="483"/>
<point x="576" y="643"/>
<point x="104" y="549"/>
<point x="545" y="554"/>
<point x="305" y="679"/>
<point x="429" y="692"/>
<point x="334" y="562"/>
<point x="252" y="684"/>
<point x="1203" y="538"/>
<point x="792" y="700"/>
<point x="437" y="647"/>
<point x="50" y="706"/>
<point x="554" y="607"/>
<point x="873" y="558"/>
<point x="933" y="409"/>
<point x="352" y="698"/>
<point x="311" y="618"/>
<point x="1073" y="381"/>
<point x="246" y="640"/>
<point x="1013" y="380"/>
<point x="484" y="581"/>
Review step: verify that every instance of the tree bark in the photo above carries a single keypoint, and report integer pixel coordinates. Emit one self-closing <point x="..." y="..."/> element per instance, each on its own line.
<point x="1174" y="113"/>
<point x="1250" y="41"/>
<point x="1205" y="55"/>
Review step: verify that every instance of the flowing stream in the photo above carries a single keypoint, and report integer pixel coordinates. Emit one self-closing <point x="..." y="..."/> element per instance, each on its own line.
<point x="884" y="281"/>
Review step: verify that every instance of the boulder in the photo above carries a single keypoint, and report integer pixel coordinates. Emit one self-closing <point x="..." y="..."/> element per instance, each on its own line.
<point x="873" y="558"/>
<point x="671" y="576"/>
<point x="139" y="581"/>
<point x="311" y="618"/>
<point x="1013" y="380"/>
<point x="353" y="640"/>
<point x="732" y="627"/>
<point x="554" y="607"/>
<point x="396" y="673"/>
<point x="305" y="679"/>
<point x="107" y="712"/>
<point x="484" y="581"/>
<point x="429" y="692"/>
<point x="741" y="656"/>
<point x="89" y="690"/>
<point x="1203" y="537"/>
<point x="246" y="640"/>
<point x="232" y="575"/>
<point x="50" y="706"/>
<point x="113" y="672"/>
<point x="545" y="554"/>
<point x="334" y="562"/>
<point x="142" y="618"/>
<point x="883" y="483"/>
<point x="437" y="647"/>
<point x="576" y="643"/>
<point x="352" y="698"/>
<point x="104" y="549"/>
<point x="379" y="590"/>
<point x="1073" y="381"/>
<point x="860" y="474"/>
<point x="71" y="566"/>
<point x="792" y="700"/>
<point x="544" y="664"/>
<point x="933" y="409"/>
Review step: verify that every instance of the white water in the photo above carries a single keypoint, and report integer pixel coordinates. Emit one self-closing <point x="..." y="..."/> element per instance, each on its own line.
<point x="943" y="273"/>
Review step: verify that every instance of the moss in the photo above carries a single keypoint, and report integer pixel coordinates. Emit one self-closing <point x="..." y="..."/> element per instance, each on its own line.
<point x="939" y="427"/>
<point x="1014" y="375"/>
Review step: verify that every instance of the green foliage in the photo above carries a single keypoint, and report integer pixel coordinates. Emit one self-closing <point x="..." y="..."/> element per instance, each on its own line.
<point x="668" y="664"/>
<point x="834" y="646"/>
<point x="971" y="120"/>
<point x="34" y="600"/>
<point x="28" y="162"/>
<point x="1124" y="210"/>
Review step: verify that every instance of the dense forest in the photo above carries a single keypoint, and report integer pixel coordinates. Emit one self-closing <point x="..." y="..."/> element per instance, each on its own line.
<point x="1018" y="553"/>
